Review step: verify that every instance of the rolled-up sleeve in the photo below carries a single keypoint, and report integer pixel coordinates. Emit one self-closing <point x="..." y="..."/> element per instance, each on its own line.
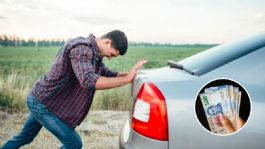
<point x="107" y="72"/>
<point x="81" y="57"/>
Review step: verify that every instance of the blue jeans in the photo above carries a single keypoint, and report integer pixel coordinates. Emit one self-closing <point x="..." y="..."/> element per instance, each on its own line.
<point x="39" y="116"/>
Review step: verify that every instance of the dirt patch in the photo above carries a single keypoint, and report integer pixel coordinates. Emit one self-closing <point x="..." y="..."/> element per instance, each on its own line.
<point x="99" y="130"/>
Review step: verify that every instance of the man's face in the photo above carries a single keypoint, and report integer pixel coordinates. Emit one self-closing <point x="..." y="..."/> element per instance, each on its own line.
<point x="112" y="53"/>
<point x="108" y="51"/>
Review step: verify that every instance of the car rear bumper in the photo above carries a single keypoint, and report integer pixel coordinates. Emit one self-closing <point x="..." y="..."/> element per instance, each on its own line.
<point x="129" y="139"/>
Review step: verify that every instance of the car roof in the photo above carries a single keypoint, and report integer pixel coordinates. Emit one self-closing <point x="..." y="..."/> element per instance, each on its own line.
<point x="215" y="57"/>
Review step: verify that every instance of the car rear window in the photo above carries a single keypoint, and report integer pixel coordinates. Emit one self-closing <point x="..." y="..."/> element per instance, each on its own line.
<point x="215" y="57"/>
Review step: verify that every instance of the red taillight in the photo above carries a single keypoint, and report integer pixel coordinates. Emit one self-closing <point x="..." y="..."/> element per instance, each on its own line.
<point x="150" y="113"/>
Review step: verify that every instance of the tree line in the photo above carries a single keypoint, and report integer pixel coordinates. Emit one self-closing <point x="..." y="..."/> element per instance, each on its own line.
<point x="14" y="41"/>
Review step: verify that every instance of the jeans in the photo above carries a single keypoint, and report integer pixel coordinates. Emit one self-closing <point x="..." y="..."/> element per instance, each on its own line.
<point x="39" y="116"/>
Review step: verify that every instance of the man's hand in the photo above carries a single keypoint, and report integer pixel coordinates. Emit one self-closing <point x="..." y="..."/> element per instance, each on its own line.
<point x="130" y="76"/>
<point x="228" y="126"/>
<point x="121" y="79"/>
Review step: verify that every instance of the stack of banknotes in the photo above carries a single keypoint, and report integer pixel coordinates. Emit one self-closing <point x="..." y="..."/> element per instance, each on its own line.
<point x="221" y="100"/>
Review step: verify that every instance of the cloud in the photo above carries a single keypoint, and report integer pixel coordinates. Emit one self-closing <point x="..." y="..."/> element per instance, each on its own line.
<point x="260" y="17"/>
<point x="2" y="1"/>
<point x="32" y="7"/>
<point x="96" y="20"/>
<point x="2" y="17"/>
<point x="149" y="20"/>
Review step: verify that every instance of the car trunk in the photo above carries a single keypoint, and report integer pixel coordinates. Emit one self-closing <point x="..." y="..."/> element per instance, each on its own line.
<point x="164" y="79"/>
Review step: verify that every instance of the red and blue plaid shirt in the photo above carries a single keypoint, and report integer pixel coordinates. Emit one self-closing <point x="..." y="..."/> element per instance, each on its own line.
<point x="68" y="88"/>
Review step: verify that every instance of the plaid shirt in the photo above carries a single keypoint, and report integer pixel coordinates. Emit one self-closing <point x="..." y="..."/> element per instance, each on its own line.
<point x="68" y="88"/>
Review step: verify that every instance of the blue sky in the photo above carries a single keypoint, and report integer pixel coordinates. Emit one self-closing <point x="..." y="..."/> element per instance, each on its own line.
<point x="164" y="21"/>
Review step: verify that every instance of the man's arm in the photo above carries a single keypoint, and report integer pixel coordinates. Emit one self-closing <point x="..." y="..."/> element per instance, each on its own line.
<point x="81" y="57"/>
<point x="111" y="82"/>
<point x="121" y="79"/>
<point x="121" y="74"/>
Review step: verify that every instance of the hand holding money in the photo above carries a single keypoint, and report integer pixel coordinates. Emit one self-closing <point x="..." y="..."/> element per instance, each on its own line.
<point x="222" y="102"/>
<point x="228" y="126"/>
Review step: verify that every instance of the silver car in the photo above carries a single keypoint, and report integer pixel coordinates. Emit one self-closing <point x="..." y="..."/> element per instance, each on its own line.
<point x="164" y="113"/>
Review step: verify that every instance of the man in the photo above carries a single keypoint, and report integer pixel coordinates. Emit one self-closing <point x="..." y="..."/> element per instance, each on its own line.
<point x="61" y="99"/>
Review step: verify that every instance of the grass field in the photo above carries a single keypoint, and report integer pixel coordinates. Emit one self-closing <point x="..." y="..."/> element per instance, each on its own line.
<point x="20" y="67"/>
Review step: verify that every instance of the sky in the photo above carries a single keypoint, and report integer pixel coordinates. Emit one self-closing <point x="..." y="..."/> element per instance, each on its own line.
<point x="162" y="21"/>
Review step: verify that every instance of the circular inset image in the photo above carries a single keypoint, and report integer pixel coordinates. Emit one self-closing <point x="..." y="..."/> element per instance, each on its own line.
<point x="223" y="107"/>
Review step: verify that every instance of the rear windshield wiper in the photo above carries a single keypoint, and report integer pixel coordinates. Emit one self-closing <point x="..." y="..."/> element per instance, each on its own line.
<point x="174" y="64"/>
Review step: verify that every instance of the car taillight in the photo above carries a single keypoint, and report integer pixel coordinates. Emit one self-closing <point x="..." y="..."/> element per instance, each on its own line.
<point x="150" y="114"/>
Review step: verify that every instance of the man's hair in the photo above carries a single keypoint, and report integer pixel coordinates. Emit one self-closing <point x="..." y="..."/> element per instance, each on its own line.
<point x="118" y="40"/>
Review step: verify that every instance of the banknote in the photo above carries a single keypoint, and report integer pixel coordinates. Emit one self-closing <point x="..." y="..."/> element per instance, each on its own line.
<point x="221" y="100"/>
<point x="213" y="106"/>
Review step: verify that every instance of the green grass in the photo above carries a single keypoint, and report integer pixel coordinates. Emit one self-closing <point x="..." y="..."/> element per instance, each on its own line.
<point x="20" y="67"/>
